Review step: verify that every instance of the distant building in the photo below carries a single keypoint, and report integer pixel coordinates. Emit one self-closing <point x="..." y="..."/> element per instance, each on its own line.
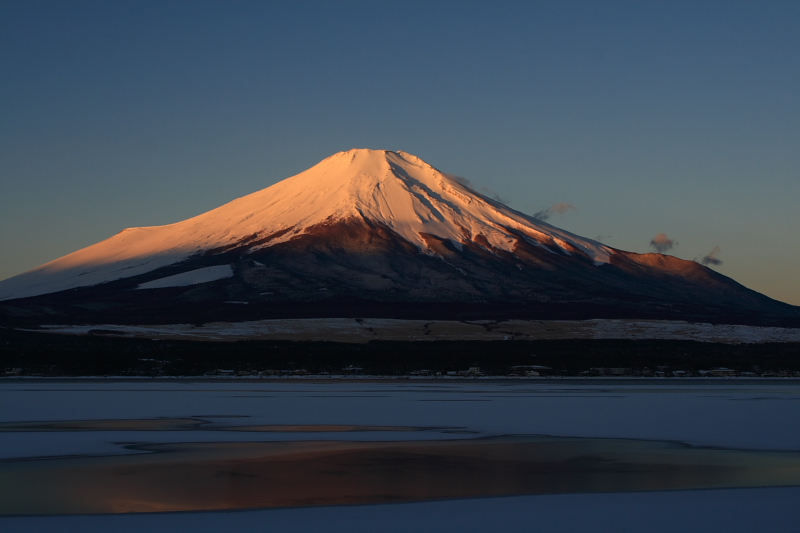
<point x="601" y="371"/>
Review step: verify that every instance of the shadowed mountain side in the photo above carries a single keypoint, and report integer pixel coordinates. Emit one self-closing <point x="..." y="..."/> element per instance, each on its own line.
<point x="660" y="270"/>
<point x="360" y="268"/>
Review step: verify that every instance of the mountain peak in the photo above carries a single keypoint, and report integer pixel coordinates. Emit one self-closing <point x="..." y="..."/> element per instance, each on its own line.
<point x="363" y="161"/>
<point x="378" y="164"/>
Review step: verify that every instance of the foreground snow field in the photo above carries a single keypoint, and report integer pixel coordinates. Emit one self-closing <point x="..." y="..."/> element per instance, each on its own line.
<point x="365" y="330"/>
<point x="755" y="414"/>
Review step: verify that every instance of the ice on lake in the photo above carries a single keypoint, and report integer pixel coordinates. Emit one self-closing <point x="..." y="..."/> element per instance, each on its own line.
<point x="744" y="424"/>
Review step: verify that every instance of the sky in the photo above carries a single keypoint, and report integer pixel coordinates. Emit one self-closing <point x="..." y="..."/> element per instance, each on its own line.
<point x="671" y="126"/>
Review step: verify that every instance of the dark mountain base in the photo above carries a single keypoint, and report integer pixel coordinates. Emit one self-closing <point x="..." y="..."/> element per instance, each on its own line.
<point x="223" y="302"/>
<point x="34" y="314"/>
<point x="27" y="353"/>
<point x="357" y="269"/>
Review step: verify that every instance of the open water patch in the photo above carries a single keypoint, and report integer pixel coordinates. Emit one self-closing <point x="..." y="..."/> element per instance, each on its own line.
<point x="250" y="475"/>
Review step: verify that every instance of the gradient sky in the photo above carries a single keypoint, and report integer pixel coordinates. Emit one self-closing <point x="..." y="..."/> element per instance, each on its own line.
<point x="680" y="118"/>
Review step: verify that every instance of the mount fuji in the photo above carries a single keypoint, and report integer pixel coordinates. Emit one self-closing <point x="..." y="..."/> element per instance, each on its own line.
<point x="371" y="233"/>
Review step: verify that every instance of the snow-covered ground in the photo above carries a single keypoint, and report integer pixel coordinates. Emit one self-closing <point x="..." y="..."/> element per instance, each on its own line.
<point x="364" y="330"/>
<point x="759" y="414"/>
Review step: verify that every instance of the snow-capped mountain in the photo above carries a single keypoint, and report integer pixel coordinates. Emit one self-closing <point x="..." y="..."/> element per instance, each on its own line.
<point x="371" y="228"/>
<point x="394" y="189"/>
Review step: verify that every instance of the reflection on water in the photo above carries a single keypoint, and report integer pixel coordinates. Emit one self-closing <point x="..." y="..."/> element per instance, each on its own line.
<point x="187" y="424"/>
<point x="240" y="475"/>
<point x="146" y="424"/>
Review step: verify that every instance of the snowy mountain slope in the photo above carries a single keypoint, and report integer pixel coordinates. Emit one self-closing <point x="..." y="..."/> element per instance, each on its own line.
<point x="371" y="233"/>
<point x="193" y="277"/>
<point x="394" y="189"/>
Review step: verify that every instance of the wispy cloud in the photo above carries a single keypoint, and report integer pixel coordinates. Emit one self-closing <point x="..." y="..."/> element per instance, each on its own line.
<point x="711" y="258"/>
<point x="461" y="179"/>
<point x="662" y="243"/>
<point x="556" y="209"/>
<point x="486" y="191"/>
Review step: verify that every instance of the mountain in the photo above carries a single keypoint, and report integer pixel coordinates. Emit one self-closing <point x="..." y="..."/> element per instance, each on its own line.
<point x="370" y="233"/>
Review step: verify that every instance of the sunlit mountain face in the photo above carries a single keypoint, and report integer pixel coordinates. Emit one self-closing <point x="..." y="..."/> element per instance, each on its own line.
<point x="371" y="233"/>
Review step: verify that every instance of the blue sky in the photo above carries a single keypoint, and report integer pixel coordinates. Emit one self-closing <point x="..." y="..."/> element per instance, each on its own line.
<point x="649" y="117"/>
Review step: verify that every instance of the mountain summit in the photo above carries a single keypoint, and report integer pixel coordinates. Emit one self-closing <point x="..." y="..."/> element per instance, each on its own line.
<point x="372" y="232"/>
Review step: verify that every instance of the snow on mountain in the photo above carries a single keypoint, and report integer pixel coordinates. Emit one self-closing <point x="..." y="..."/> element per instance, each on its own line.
<point x="395" y="189"/>
<point x="193" y="277"/>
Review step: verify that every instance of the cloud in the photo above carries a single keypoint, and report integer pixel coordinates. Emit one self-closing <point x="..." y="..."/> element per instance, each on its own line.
<point x="711" y="258"/>
<point x="556" y="209"/>
<point x="661" y="243"/>
<point x="461" y="179"/>
<point x="486" y="191"/>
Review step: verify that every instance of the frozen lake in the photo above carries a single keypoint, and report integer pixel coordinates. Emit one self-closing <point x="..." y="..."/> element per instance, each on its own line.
<point x="111" y="422"/>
